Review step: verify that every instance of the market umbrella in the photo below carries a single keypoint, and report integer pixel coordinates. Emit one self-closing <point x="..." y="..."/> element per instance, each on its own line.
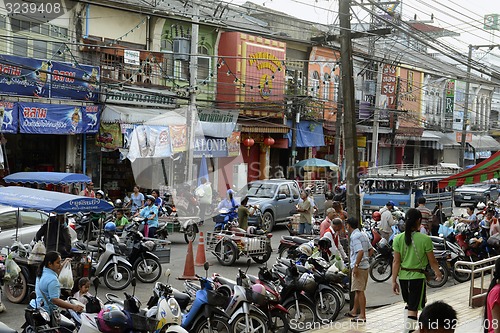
<point x="203" y="170"/>
<point x="313" y="163"/>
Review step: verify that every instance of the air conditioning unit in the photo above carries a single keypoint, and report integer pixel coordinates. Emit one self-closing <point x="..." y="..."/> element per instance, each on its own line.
<point x="240" y="174"/>
<point x="182" y="48"/>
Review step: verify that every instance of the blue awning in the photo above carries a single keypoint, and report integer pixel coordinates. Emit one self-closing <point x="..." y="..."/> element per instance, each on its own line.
<point x="51" y="202"/>
<point x="55" y="178"/>
<point x="309" y="134"/>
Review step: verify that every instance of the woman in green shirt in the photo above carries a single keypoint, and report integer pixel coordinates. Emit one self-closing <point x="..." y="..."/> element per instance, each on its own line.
<point x="413" y="251"/>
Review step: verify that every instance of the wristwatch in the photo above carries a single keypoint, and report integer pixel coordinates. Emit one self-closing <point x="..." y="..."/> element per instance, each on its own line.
<point x="356" y="265"/>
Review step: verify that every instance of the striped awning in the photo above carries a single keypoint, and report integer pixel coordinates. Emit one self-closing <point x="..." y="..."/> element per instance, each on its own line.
<point x="262" y="126"/>
<point x="488" y="169"/>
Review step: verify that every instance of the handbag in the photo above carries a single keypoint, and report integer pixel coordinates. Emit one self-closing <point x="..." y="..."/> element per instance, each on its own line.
<point x="426" y="270"/>
<point x="55" y="314"/>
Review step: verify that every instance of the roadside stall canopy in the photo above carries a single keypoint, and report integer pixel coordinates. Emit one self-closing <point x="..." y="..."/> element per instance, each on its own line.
<point x="487" y="169"/>
<point x="51" y="202"/>
<point x="55" y="178"/>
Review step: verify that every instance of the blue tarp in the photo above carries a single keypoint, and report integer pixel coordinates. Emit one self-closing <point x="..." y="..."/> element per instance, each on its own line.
<point x="309" y="134"/>
<point x="51" y="202"/>
<point x="56" y="178"/>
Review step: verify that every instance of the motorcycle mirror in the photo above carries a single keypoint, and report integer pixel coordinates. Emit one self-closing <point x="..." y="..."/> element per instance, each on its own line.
<point x="249" y="261"/>
<point x="96" y="284"/>
<point x="134" y="282"/>
<point x="206" y="266"/>
<point x="167" y="274"/>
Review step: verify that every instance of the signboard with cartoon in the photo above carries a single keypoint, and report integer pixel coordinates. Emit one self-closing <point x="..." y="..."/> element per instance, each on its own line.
<point x="39" y="118"/>
<point x="8" y="115"/>
<point x="48" y="79"/>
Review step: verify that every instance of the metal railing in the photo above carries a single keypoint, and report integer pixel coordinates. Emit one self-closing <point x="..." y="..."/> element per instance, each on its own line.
<point x="482" y="266"/>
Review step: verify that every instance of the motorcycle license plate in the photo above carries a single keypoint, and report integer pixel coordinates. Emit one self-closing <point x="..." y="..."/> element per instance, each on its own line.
<point x="467" y="197"/>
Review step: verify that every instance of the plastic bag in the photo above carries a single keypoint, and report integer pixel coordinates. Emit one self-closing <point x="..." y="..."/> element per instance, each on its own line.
<point x="37" y="253"/>
<point x="66" y="276"/>
<point x="12" y="269"/>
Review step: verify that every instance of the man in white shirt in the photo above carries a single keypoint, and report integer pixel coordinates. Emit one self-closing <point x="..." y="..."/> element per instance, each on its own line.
<point x="332" y="234"/>
<point x="386" y="220"/>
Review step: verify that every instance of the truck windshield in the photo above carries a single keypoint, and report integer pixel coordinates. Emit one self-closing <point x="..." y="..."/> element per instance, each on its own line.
<point x="260" y="190"/>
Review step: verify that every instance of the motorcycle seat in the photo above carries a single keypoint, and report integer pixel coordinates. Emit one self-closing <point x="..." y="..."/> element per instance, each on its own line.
<point x="182" y="298"/>
<point x="226" y="282"/>
<point x="300" y="240"/>
<point x="82" y="246"/>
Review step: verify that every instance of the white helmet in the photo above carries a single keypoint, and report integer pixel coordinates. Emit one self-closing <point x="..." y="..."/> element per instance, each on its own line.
<point x="307" y="282"/>
<point x="305" y="249"/>
<point x="481" y="205"/>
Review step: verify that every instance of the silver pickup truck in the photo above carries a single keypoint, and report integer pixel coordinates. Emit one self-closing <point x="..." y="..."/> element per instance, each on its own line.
<point x="277" y="200"/>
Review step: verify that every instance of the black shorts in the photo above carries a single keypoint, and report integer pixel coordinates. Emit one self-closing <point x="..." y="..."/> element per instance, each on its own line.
<point x="414" y="293"/>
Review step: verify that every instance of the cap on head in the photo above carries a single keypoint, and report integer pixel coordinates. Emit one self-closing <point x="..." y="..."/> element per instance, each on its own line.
<point x="390" y="203"/>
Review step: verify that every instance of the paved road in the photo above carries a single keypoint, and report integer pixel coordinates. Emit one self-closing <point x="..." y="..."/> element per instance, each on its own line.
<point x="377" y="293"/>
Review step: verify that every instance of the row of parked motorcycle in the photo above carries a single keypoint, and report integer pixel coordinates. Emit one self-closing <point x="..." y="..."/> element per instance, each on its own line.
<point x="291" y="296"/>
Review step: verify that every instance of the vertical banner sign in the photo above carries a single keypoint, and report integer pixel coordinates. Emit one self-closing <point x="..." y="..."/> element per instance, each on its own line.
<point x="178" y="135"/>
<point x="233" y="144"/>
<point x="91" y="118"/>
<point x="109" y="137"/>
<point x="389" y="85"/>
<point x="450" y="98"/>
<point x="9" y="117"/>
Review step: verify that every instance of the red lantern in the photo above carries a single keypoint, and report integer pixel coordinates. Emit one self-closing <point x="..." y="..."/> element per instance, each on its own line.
<point x="269" y="141"/>
<point x="248" y="142"/>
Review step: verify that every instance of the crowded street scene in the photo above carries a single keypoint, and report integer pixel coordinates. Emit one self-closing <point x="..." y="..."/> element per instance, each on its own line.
<point x="249" y="166"/>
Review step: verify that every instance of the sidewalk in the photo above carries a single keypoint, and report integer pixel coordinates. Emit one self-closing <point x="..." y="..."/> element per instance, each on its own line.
<point x="389" y="318"/>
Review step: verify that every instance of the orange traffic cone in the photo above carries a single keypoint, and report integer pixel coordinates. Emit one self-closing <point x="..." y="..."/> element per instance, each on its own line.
<point x="189" y="265"/>
<point x="200" y="252"/>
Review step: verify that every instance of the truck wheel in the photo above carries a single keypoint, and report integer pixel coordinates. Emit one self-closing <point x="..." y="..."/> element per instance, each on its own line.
<point x="267" y="221"/>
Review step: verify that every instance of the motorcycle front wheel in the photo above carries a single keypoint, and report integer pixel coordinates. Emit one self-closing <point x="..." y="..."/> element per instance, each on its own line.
<point x="301" y="319"/>
<point x="381" y="269"/>
<point x="147" y="270"/>
<point x="327" y="307"/>
<point x="217" y="325"/>
<point x="459" y="276"/>
<point x="279" y="322"/>
<point x="256" y="323"/>
<point x="117" y="281"/>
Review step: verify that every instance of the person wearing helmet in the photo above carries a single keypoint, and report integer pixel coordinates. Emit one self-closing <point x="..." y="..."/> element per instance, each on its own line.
<point x="360" y="248"/>
<point x="229" y="202"/>
<point x="387" y="220"/>
<point x="376" y="216"/>
<point x="150" y="212"/>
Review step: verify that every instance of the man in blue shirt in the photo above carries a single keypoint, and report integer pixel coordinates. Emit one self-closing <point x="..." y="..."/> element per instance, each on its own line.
<point x="150" y="211"/>
<point x="360" y="249"/>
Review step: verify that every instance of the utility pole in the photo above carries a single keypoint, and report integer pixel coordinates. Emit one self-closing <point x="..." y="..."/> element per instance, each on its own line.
<point x="349" y="116"/>
<point x="466" y="110"/>
<point x="192" y="113"/>
<point x="394" y="117"/>
<point x="295" y="117"/>
<point x="338" y="125"/>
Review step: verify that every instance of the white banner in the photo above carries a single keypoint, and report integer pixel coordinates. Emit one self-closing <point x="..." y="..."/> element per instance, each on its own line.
<point x="218" y="123"/>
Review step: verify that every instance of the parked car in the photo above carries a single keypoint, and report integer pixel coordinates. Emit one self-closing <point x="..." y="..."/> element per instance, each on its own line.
<point x="475" y="193"/>
<point x="277" y="199"/>
<point x="29" y="222"/>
